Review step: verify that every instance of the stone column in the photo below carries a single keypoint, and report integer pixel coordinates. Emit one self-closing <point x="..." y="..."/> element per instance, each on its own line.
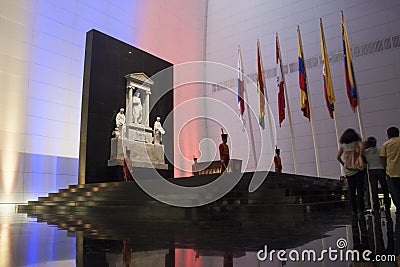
<point x="129" y="94"/>
<point x="146" y="110"/>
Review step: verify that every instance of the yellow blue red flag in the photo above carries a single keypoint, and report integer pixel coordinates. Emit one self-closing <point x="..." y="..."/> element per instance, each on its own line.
<point x="304" y="105"/>
<point x="328" y="86"/>
<point x="351" y="86"/>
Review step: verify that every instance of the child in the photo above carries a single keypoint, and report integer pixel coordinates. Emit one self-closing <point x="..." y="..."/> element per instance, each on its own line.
<point x="376" y="172"/>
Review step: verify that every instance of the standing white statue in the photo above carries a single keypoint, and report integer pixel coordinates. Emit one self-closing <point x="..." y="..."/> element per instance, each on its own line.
<point x="119" y="121"/>
<point x="158" y="131"/>
<point x="137" y="108"/>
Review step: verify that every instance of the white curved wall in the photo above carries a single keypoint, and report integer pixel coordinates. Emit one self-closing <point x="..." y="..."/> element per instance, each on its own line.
<point x="377" y="66"/>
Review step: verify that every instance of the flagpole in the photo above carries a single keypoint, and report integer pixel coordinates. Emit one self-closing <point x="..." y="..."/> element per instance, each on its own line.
<point x="288" y="107"/>
<point x="351" y="79"/>
<point x="271" y="133"/>
<point x="360" y="121"/>
<point x="336" y="128"/>
<point x="316" y="152"/>
<point x="248" y="113"/>
<point x="251" y="130"/>
<point x="328" y="85"/>
<point x="337" y="138"/>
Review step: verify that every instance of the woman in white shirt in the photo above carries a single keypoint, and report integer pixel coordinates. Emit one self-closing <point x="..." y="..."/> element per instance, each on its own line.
<point x="350" y="145"/>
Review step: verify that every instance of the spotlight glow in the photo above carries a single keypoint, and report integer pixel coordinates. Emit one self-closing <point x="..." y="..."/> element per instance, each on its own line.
<point x="5" y="244"/>
<point x="12" y="112"/>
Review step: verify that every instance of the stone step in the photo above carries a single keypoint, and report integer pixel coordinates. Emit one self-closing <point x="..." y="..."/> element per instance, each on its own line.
<point x="293" y="194"/>
<point x="128" y="197"/>
<point x="102" y="185"/>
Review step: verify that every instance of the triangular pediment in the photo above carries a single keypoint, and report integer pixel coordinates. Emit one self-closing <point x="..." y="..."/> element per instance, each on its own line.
<point x="139" y="77"/>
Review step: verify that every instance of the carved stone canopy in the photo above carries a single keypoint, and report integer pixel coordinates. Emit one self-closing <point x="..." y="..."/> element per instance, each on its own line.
<point x="138" y="80"/>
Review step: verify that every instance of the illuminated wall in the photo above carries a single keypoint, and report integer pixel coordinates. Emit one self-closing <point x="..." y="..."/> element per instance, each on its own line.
<point x="373" y="28"/>
<point x="175" y="31"/>
<point x="41" y="73"/>
<point x="41" y="68"/>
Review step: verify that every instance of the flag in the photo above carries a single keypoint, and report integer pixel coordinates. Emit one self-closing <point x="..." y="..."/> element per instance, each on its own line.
<point x="304" y="105"/>
<point x="280" y="83"/>
<point x="260" y="87"/>
<point x="328" y="86"/>
<point x="240" y="86"/>
<point x="348" y="69"/>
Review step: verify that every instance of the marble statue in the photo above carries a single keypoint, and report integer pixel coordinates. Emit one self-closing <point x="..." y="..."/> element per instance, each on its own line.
<point x="134" y="133"/>
<point x="119" y="121"/>
<point x="137" y="108"/>
<point x="158" y="131"/>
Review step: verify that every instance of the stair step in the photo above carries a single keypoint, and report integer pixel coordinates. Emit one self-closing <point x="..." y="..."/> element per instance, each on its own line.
<point x="102" y="185"/>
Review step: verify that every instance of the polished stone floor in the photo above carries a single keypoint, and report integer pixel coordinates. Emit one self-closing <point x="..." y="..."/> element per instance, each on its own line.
<point x="105" y="240"/>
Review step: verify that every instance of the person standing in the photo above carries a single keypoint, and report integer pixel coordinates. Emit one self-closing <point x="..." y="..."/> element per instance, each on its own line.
<point x="350" y="151"/>
<point x="277" y="160"/>
<point x="376" y="172"/>
<point x="127" y="164"/>
<point x="390" y="155"/>
<point x="127" y="252"/>
<point x="224" y="152"/>
<point x="127" y="173"/>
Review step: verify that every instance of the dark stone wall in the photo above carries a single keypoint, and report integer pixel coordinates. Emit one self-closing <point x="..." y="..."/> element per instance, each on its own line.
<point x="107" y="61"/>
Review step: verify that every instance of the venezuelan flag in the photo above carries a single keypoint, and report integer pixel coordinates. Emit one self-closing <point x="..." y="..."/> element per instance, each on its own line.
<point x="328" y="86"/>
<point x="260" y="87"/>
<point x="348" y="69"/>
<point x="304" y="105"/>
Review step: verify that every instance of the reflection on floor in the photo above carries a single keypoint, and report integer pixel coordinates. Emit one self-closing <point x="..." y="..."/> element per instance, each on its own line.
<point x="105" y="239"/>
<point x="24" y="242"/>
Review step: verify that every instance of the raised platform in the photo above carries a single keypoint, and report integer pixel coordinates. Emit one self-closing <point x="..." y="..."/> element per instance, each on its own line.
<point x="279" y="194"/>
<point x="286" y="211"/>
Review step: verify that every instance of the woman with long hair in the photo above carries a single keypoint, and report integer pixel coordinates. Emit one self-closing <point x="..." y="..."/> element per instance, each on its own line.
<point x="350" y="156"/>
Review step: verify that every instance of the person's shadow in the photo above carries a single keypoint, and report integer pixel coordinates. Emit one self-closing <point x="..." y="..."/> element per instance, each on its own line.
<point x="397" y="237"/>
<point x="360" y="234"/>
<point x="378" y="236"/>
<point x="368" y="235"/>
